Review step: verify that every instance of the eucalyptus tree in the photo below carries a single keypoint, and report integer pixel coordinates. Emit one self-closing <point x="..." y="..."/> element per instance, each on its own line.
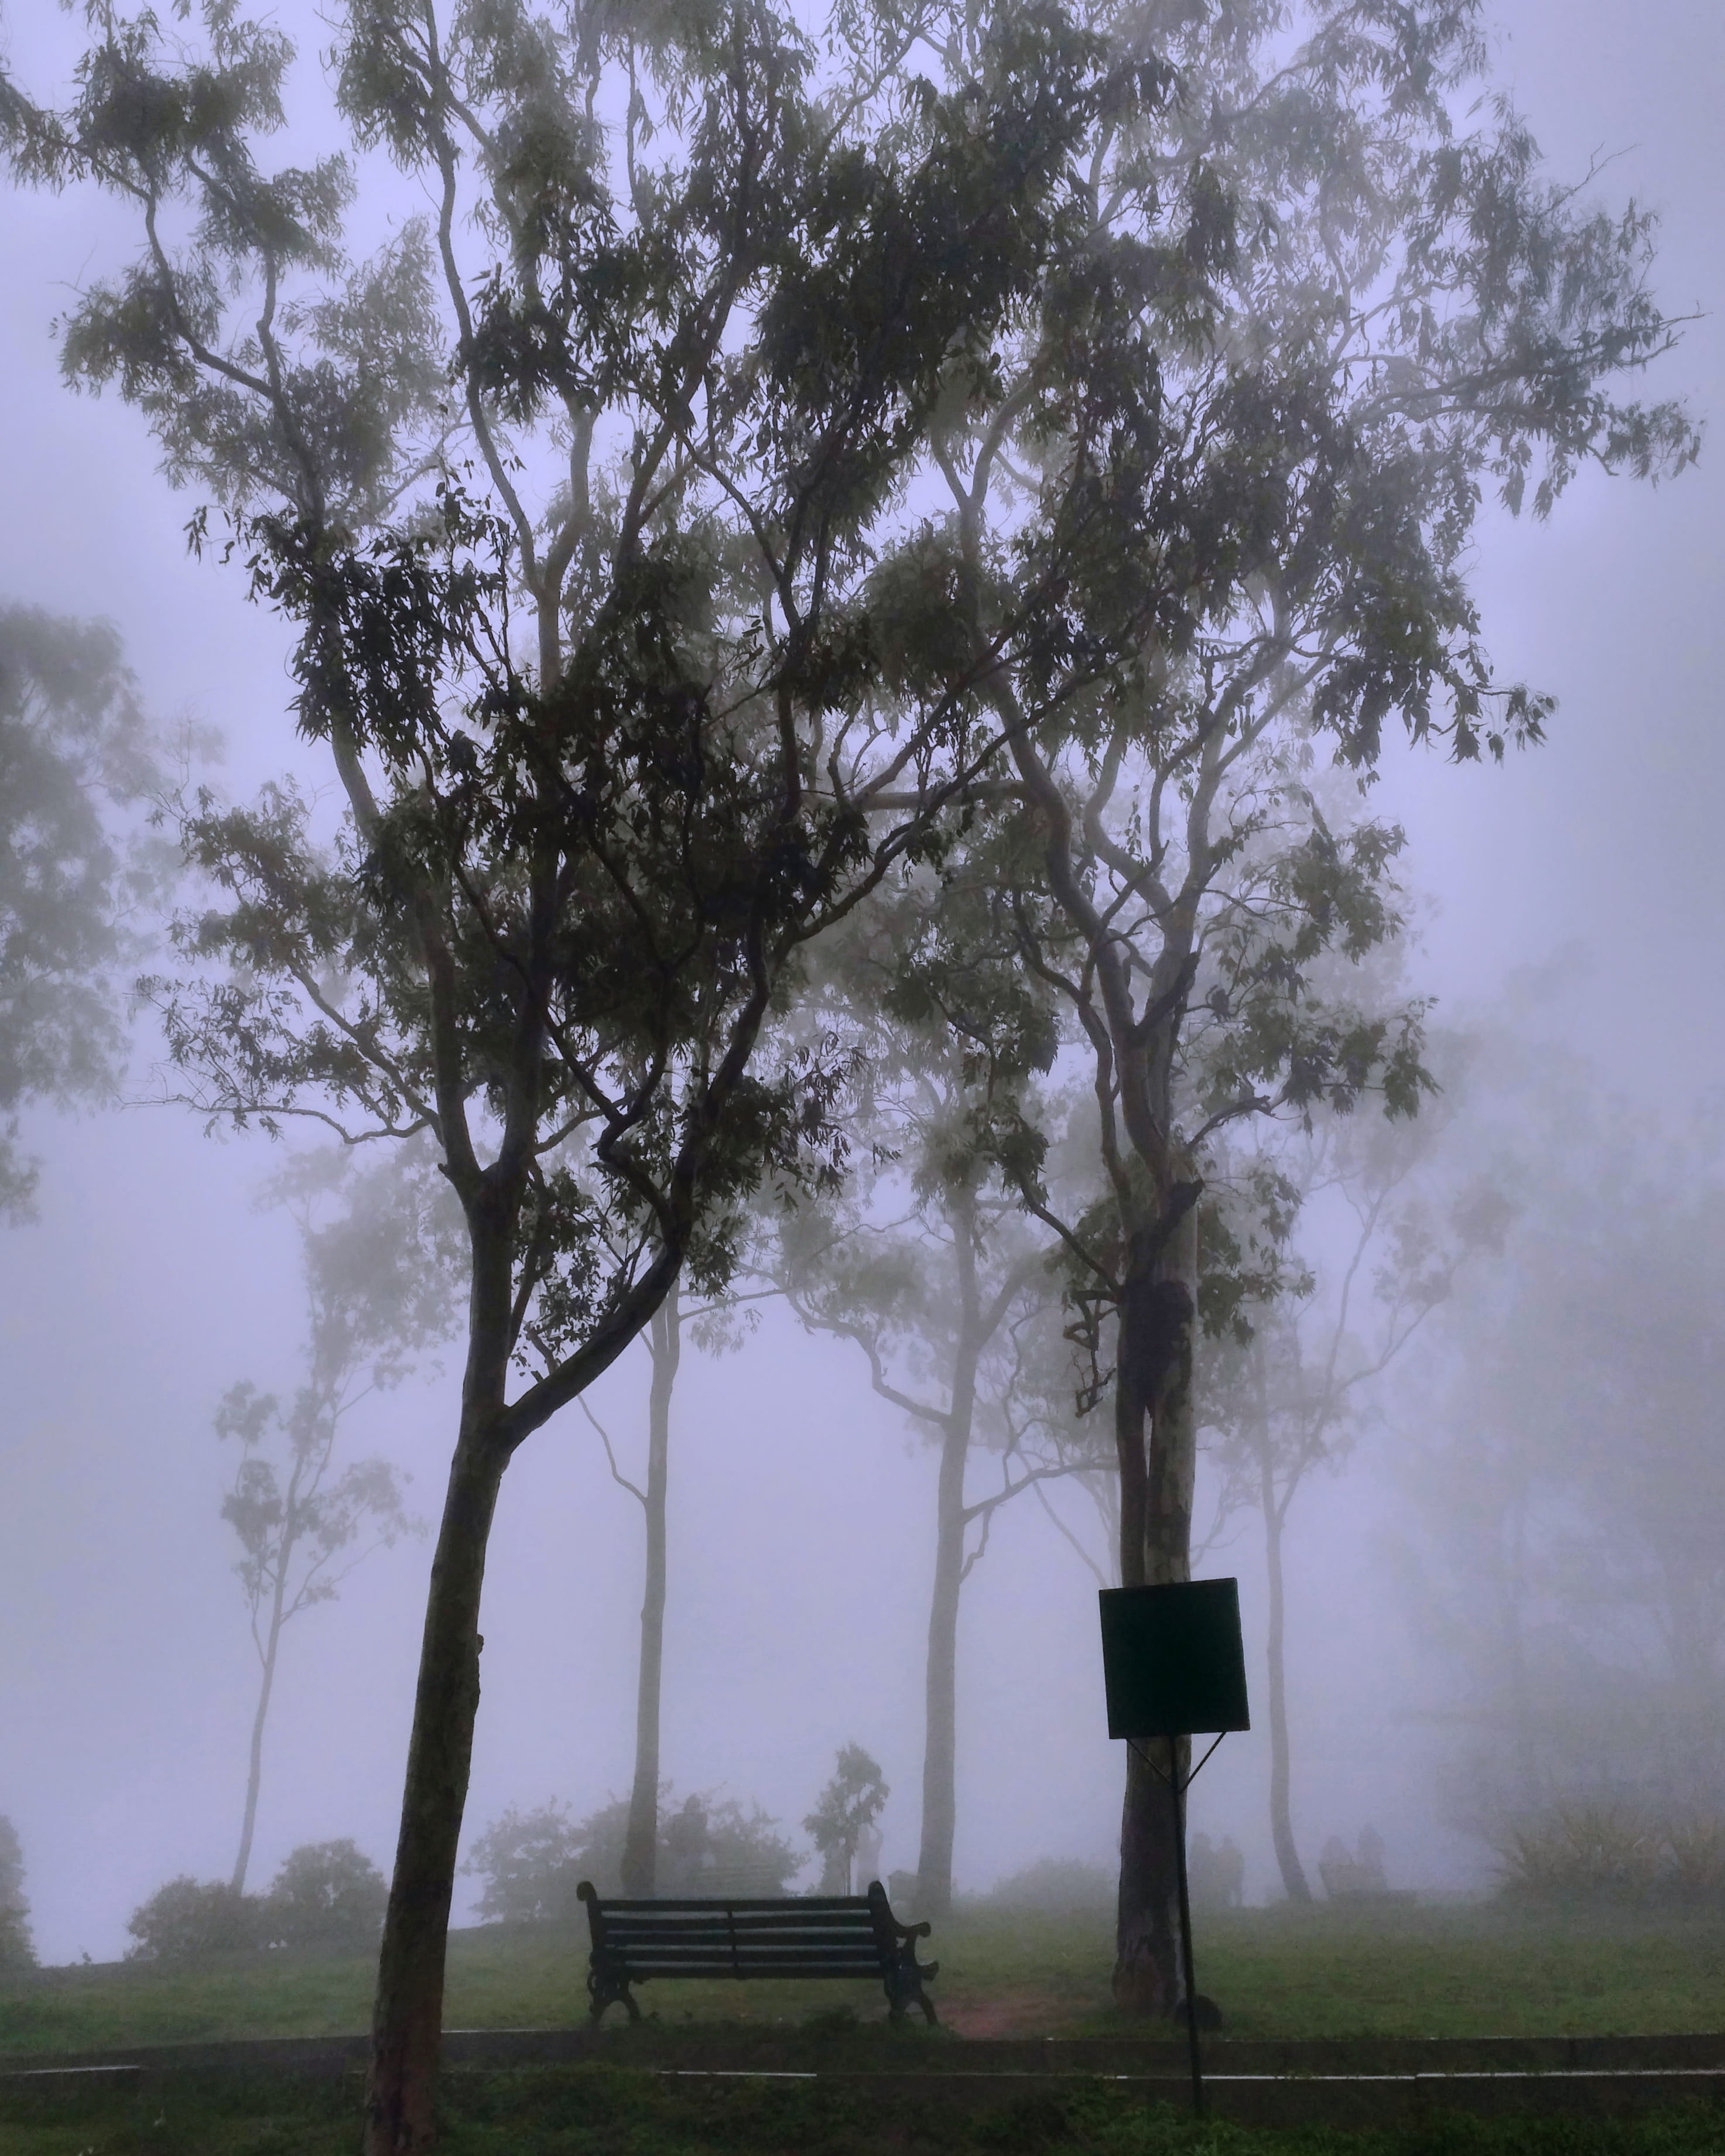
<point x="378" y="1293"/>
<point x="74" y="749"/>
<point x="1382" y="1231"/>
<point x="587" y="497"/>
<point x="927" y="1262"/>
<point x="1306" y="314"/>
<point x="715" y="1324"/>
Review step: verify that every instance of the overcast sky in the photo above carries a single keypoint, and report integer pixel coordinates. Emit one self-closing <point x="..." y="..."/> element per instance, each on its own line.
<point x="802" y="1511"/>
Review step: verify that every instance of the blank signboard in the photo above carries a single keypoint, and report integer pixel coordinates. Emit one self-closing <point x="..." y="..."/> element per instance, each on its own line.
<point x="1172" y="1659"/>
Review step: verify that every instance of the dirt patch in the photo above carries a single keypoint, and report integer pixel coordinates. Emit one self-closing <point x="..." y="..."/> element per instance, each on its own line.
<point x="1007" y="2013"/>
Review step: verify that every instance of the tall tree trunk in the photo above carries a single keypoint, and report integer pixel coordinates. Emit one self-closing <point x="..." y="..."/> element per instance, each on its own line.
<point x="940" y="1742"/>
<point x="640" y="1847"/>
<point x="407" y="2028"/>
<point x="1282" y="1827"/>
<point x="1153" y="1387"/>
<point x="255" y="1775"/>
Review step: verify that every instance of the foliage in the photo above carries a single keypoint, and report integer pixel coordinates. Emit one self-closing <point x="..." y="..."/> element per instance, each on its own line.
<point x="1613" y="1852"/>
<point x="379" y="1291"/>
<point x="327" y="1893"/>
<point x="1054" y="1883"/>
<point x="74" y="749"/>
<point x="848" y="1806"/>
<point x="17" y="1949"/>
<point x="1562" y="1471"/>
<point x="532" y="1863"/>
<point x="189" y="1919"/>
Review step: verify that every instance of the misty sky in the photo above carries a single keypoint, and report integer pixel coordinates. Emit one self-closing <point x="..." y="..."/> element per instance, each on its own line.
<point x="802" y="1512"/>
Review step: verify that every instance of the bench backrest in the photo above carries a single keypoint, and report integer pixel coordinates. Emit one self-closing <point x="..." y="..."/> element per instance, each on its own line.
<point x="794" y="1937"/>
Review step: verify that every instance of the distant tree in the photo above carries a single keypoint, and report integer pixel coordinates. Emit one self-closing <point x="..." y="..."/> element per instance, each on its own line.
<point x="327" y="1893"/>
<point x="188" y="1920"/>
<point x="18" y="1949"/>
<point x="532" y="1863"/>
<point x="848" y="1807"/>
<point x="929" y="1265"/>
<point x="376" y="1294"/>
<point x="716" y="1323"/>
<point x="1564" y="1469"/>
<point x="75" y="751"/>
<point x="1380" y="1241"/>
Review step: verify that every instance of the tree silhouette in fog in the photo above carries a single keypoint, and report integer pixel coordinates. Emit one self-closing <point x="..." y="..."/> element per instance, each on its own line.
<point x="76" y="753"/>
<point x="378" y="1289"/>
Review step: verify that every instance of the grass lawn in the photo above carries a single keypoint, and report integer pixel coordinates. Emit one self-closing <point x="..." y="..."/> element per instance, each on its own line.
<point x="1443" y="1970"/>
<point x="596" y="2111"/>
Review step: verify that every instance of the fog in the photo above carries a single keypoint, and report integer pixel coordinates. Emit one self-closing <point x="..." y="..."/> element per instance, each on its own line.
<point x="801" y="1520"/>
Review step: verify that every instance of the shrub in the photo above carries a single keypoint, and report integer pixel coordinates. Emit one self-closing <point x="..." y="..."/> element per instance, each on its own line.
<point x="189" y="1918"/>
<point x="1612" y="1852"/>
<point x="532" y="1863"/>
<point x="1055" y="1883"/>
<point x="750" y="1855"/>
<point x="18" y="1949"/>
<point x="528" y="1862"/>
<point x="327" y="1893"/>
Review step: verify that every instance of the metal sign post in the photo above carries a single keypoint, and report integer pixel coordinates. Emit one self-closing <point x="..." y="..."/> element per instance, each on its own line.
<point x="1173" y="1666"/>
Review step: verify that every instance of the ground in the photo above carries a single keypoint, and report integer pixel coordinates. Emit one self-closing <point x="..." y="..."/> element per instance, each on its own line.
<point x="1455" y="1970"/>
<point x="1460" y="1969"/>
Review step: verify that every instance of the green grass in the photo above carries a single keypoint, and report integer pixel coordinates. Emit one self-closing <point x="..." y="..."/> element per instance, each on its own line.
<point x="600" y="2112"/>
<point x="1457" y="1970"/>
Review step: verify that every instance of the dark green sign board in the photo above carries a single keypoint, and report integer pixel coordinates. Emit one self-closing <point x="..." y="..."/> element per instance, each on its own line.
<point x="1172" y="1659"/>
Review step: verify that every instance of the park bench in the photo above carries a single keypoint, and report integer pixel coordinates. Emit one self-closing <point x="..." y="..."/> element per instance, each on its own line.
<point x="852" y="1935"/>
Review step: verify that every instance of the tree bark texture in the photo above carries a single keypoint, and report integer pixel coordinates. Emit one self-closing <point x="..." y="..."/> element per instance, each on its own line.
<point x="1153" y="1401"/>
<point x="1282" y="1827"/>
<point x="407" y="2014"/>
<point x="640" y="1847"/>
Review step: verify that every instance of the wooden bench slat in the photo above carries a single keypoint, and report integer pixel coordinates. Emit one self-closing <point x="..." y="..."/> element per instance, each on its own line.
<point x="707" y="1928"/>
<point x="847" y="1904"/>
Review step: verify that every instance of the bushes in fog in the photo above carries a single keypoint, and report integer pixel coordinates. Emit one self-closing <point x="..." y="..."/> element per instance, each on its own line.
<point x="188" y="1919"/>
<point x="326" y="1894"/>
<point x="18" y="1950"/>
<point x="532" y="1862"/>
<point x="1055" y="1883"/>
<point x="1614" y="1852"/>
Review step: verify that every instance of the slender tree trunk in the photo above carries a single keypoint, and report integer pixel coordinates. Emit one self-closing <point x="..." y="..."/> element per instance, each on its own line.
<point x="940" y="1744"/>
<point x="407" y="2028"/>
<point x="254" y="1777"/>
<point x="640" y="1846"/>
<point x="1282" y="1827"/>
<point x="1153" y="1385"/>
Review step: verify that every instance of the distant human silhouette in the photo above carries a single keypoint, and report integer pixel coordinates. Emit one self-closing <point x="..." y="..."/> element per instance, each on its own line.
<point x="686" y="1848"/>
<point x="1215" y="1877"/>
<point x="1356" y="1874"/>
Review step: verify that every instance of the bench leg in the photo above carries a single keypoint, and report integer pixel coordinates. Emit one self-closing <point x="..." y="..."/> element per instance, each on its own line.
<point x="904" y="1989"/>
<point x="606" y="1992"/>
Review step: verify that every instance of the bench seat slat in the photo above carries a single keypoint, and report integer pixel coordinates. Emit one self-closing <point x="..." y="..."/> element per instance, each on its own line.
<point x="769" y="1904"/>
<point x="674" y="1928"/>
